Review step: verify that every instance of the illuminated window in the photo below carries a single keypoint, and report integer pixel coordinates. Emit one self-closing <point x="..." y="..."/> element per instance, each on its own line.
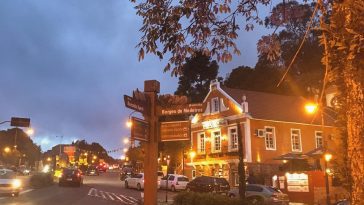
<point x="233" y="139"/>
<point x="296" y="140"/>
<point x="201" y="143"/>
<point x="216" y="136"/>
<point x="270" y="138"/>
<point x="318" y="139"/>
<point x="215" y="105"/>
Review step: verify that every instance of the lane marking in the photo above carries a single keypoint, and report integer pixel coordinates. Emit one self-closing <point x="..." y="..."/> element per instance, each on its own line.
<point x="102" y="194"/>
<point x="112" y="196"/>
<point x="108" y="194"/>
<point x="128" y="199"/>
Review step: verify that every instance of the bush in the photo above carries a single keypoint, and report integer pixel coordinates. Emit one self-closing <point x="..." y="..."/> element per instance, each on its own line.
<point x="40" y="180"/>
<point x="193" y="198"/>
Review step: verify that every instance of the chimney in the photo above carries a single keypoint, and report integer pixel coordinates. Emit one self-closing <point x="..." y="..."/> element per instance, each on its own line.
<point x="244" y="105"/>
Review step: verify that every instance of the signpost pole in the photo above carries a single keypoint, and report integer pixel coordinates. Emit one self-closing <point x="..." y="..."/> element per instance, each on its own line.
<point x="151" y="152"/>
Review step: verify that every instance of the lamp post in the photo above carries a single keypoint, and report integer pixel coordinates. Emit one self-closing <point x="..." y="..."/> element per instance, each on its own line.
<point x="168" y="160"/>
<point x="328" y="157"/>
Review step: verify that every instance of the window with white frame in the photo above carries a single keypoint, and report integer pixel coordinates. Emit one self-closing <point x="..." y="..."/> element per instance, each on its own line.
<point x="201" y="143"/>
<point x="233" y="139"/>
<point x="296" y="140"/>
<point x="318" y="139"/>
<point x="215" y="105"/>
<point x="216" y="143"/>
<point x="270" y="138"/>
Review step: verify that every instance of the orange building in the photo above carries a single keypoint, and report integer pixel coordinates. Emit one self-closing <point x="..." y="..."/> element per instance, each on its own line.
<point x="271" y="126"/>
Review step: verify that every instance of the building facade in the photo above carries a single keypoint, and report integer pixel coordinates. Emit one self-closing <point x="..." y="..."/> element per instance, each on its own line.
<point x="270" y="126"/>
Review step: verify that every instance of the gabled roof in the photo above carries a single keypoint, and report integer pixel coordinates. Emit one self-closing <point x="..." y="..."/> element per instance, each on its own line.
<point x="275" y="107"/>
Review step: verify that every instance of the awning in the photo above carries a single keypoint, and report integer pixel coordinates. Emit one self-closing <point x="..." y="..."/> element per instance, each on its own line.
<point x="290" y="156"/>
<point x="317" y="153"/>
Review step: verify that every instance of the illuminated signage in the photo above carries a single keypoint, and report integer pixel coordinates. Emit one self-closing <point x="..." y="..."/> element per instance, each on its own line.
<point x="297" y="182"/>
<point x="213" y="123"/>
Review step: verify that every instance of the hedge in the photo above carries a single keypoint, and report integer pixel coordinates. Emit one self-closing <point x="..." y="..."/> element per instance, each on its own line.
<point x="193" y="198"/>
<point x="40" y="180"/>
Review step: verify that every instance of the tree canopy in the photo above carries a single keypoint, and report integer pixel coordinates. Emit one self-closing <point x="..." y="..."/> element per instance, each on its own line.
<point x="196" y="75"/>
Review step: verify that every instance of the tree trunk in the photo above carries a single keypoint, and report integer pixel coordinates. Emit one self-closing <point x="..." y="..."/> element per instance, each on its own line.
<point x="347" y="50"/>
<point x="241" y="165"/>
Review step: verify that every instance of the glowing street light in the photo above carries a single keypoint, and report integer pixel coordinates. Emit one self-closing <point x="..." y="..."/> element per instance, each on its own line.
<point x="126" y="140"/>
<point x="311" y="108"/>
<point x="125" y="150"/>
<point x="328" y="157"/>
<point x="30" y="131"/>
<point x="94" y="157"/>
<point x="122" y="157"/>
<point x="6" y="149"/>
<point x="129" y="123"/>
<point x="192" y="155"/>
<point x="49" y="159"/>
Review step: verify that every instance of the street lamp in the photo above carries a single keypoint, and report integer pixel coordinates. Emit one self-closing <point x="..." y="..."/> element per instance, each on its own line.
<point x="311" y="108"/>
<point x="327" y="157"/>
<point x="30" y="131"/>
<point x="6" y="149"/>
<point x="192" y="155"/>
<point x="168" y="160"/>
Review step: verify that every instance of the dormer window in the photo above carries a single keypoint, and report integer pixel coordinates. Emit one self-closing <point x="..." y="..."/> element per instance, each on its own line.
<point x="215" y="105"/>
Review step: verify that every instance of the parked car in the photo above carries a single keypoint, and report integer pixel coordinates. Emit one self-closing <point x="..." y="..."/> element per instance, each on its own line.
<point x="136" y="181"/>
<point x="92" y="171"/>
<point x="261" y="194"/>
<point x="9" y="184"/>
<point x="70" y="176"/>
<point x="208" y="184"/>
<point x="175" y="182"/>
<point x="23" y="170"/>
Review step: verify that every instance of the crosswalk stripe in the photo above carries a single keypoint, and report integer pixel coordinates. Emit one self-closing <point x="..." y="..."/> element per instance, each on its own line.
<point x="128" y="199"/>
<point x="116" y="196"/>
<point x="90" y="192"/>
<point x="102" y="194"/>
<point x="109" y="195"/>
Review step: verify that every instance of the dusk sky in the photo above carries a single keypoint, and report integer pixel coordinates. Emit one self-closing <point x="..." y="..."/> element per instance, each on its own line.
<point x="67" y="64"/>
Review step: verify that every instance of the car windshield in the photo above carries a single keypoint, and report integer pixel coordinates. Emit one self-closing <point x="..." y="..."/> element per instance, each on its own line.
<point x="7" y="174"/>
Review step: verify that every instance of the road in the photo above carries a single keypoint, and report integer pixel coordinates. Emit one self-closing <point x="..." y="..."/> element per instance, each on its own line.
<point x="97" y="190"/>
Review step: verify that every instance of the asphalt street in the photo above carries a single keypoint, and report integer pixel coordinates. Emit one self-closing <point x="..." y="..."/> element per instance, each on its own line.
<point x="97" y="190"/>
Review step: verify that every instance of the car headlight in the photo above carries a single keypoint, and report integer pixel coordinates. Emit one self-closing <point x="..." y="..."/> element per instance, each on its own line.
<point x="16" y="183"/>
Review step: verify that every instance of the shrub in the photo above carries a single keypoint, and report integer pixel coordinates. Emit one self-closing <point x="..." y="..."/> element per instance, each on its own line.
<point x="193" y="198"/>
<point x="40" y="180"/>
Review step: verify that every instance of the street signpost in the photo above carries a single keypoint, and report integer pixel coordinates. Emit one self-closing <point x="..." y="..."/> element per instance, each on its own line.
<point x="20" y="122"/>
<point x="148" y="130"/>
<point x="175" y="131"/>
<point x="137" y="105"/>
<point x="185" y="109"/>
<point x="139" y="129"/>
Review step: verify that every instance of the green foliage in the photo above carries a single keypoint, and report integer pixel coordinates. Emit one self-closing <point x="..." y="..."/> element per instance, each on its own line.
<point x="193" y="198"/>
<point x="261" y="79"/>
<point x="94" y="148"/>
<point x="196" y="75"/>
<point x="183" y="27"/>
<point x="26" y="148"/>
<point x="40" y="180"/>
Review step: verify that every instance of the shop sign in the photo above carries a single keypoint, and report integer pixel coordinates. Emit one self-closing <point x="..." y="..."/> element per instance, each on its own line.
<point x="297" y="182"/>
<point x="186" y="109"/>
<point x="213" y="123"/>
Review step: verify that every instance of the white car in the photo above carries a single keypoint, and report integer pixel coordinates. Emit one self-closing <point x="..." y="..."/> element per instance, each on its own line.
<point x="136" y="181"/>
<point x="9" y="184"/>
<point x="175" y="182"/>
